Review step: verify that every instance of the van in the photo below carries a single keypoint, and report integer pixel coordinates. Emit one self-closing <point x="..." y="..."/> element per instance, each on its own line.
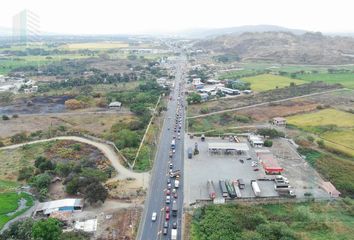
<point x="190" y="153"/>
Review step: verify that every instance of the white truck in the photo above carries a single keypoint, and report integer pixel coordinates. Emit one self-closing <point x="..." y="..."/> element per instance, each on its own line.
<point x="174" y="234"/>
<point x="255" y="187"/>
<point x="176" y="183"/>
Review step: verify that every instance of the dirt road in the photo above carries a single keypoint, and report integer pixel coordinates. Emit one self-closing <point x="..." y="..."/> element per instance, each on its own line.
<point x="142" y="179"/>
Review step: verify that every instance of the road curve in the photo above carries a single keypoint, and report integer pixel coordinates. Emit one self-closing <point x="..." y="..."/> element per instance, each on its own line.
<point x="141" y="178"/>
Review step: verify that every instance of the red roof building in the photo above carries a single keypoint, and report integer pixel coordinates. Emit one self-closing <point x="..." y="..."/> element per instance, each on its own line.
<point x="269" y="163"/>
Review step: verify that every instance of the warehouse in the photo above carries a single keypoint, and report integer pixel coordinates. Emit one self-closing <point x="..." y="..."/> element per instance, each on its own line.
<point x="62" y="205"/>
<point x="269" y="162"/>
<point x="227" y="147"/>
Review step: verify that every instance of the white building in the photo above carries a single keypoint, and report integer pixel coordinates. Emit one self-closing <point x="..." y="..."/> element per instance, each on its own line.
<point x="62" y="205"/>
<point x="255" y="140"/>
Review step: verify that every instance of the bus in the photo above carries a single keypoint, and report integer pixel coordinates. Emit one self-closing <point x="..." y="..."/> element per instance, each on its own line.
<point x="223" y="189"/>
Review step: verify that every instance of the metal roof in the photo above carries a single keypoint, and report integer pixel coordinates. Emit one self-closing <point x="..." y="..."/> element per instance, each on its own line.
<point x="115" y="104"/>
<point x="229" y="146"/>
<point x="62" y="203"/>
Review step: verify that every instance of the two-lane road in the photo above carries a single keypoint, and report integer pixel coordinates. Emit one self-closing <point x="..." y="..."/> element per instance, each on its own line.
<point x="155" y="202"/>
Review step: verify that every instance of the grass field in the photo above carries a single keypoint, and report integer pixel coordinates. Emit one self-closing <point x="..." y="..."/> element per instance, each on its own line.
<point x="6" y="186"/>
<point x="96" y="45"/>
<point x="346" y="79"/>
<point x="9" y="203"/>
<point x="323" y="117"/>
<point x="334" y="126"/>
<point x="303" y="221"/>
<point x="266" y="82"/>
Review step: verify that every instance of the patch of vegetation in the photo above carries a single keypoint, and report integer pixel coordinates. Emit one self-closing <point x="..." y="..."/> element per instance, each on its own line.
<point x="266" y="82"/>
<point x="273" y="222"/>
<point x="9" y="203"/>
<point x="344" y="78"/>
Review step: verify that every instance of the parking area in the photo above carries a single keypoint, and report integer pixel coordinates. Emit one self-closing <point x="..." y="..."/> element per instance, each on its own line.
<point x="217" y="166"/>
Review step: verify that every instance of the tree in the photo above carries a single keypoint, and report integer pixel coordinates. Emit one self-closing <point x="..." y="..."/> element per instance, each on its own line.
<point x="20" y="230"/>
<point x="96" y="192"/>
<point x="270" y="132"/>
<point x="40" y="181"/>
<point x="268" y="143"/>
<point x="5" y="117"/>
<point x="194" y="98"/>
<point x="48" y="229"/>
<point x="126" y="138"/>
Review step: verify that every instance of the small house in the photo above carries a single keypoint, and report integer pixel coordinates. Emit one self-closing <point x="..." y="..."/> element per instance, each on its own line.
<point x="279" y="121"/>
<point x="115" y="105"/>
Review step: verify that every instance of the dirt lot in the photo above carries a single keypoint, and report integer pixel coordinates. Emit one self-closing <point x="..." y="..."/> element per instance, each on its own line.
<point x="119" y="225"/>
<point x="95" y="123"/>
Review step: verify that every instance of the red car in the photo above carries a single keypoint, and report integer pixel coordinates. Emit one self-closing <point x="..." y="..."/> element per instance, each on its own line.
<point x="167" y="209"/>
<point x="167" y="216"/>
<point x="168" y="192"/>
<point x="175" y="195"/>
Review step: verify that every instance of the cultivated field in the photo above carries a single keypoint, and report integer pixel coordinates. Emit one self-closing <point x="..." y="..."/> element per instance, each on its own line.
<point x="266" y="82"/>
<point x="95" y="45"/>
<point x="346" y="79"/>
<point x="323" y="117"/>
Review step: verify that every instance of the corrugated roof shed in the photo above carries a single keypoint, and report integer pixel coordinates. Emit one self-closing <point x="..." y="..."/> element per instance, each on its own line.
<point x="228" y="146"/>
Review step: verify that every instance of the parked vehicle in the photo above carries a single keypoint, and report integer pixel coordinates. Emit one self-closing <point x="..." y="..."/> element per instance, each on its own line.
<point x="175" y="173"/>
<point x="241" y="183"/>
<point x="223" y="189"/>
<point x="168" y="199"/>
<point x="190" y="152"/>
<point x="237" y="189"/>
<point x="165" y="224"/>
<point x="167" y="209"/>
<point x="202" y="138"/>
<point x="173" y="234"/>
<point x="165" y="231"/>
<point x="230" y="189"/>
<point x="255" y="187"/>
<point x="167" y="216"/>
<point x="174" y="225"/>
<point x="241" y="161"/>
<point x="173" y="144"/>
<point x="211" y="189"/>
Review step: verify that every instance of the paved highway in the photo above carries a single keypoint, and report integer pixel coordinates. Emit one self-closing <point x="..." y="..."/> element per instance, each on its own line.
<point x="155" y="202"/>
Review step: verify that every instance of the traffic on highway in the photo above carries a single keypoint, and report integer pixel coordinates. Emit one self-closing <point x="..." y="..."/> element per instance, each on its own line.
<point x="162" y="218"/>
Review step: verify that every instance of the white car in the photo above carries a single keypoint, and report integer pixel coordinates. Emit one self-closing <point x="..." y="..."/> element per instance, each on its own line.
<point x="154" y="216"/>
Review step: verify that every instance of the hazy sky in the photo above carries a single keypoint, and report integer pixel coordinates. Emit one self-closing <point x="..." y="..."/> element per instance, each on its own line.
<point x="141" y="16"/>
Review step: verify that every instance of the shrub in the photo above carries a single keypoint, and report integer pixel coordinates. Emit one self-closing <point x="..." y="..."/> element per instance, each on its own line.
<point x="15" y="116"/>
<point x="5" y="117"/>
<point x="25" y="173"/>
<point x="310" y="138"/>
<point x="320" y="143"/>
<point x="268" y="143"/>
<point x="96" y="192"/>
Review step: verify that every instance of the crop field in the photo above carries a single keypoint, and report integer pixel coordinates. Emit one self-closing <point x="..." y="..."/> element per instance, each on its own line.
<point x="334" y="126"/>
<point x="346" y="79"/>
<point x="266" y="82"/>
<point x="96" y="45"/>
<point x="323" y="117"/>
<point x="10" y="206"/>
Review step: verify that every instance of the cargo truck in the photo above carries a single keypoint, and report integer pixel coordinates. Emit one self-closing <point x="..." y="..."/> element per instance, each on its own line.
<point x="230" y="189"/>
<point x="211" y="189"/>
<point x="255" y="187"/>
<point x="223" y="189"/>
<point x="237" y="189"/>
<point x="173" y="234"/>
<point x="174" y="208"/>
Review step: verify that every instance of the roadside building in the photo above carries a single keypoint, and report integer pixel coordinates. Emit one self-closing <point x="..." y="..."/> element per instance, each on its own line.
<point x="89" y="225"/>
<point x="269" y="162"/>
<point x="115" y="105"/>
<point x="212" y="81"/>
<point x="279" y="121"/>
<point x="330" y="189"/>
<point x="255" y="140"/>
<point x="204" y="97"/>
<point x="63" y="205"/>
<point x="227" y="148"/>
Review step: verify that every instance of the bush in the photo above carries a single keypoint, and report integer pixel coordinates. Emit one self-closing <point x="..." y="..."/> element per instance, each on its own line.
<point x="49" y="229"/>
<point x="310" y="138"/>
<point x="268" y="143"/>
<point x="5" y="117"/>
<point x="320" y="143"/>
<point x="1" y="144"/>
<point x="270" y="132"/>
<point x="96" y="192"/>
<point x="40" y="181"/>
<point x="19" y="138"/>
<point x="15" y="116"/>
<point x="25" y="173"/>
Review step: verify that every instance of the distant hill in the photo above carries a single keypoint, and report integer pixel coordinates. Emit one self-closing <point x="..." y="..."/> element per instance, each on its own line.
<point x="284" y="47"/>
<point x="204" y="33"/>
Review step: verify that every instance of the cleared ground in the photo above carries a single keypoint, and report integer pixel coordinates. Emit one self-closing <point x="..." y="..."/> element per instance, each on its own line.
<point x="266" y="82"/>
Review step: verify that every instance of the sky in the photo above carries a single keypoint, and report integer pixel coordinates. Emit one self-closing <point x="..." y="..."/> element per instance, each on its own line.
<point x="167" y="16"/>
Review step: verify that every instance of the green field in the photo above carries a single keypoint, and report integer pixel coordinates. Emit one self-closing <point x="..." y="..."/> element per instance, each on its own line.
<point x="266" y="82"/>
<point x="305" y="221"/>
<point x="95" y="45"/>
<point x="9" y="203"/>
<point x="346" y="79"/>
